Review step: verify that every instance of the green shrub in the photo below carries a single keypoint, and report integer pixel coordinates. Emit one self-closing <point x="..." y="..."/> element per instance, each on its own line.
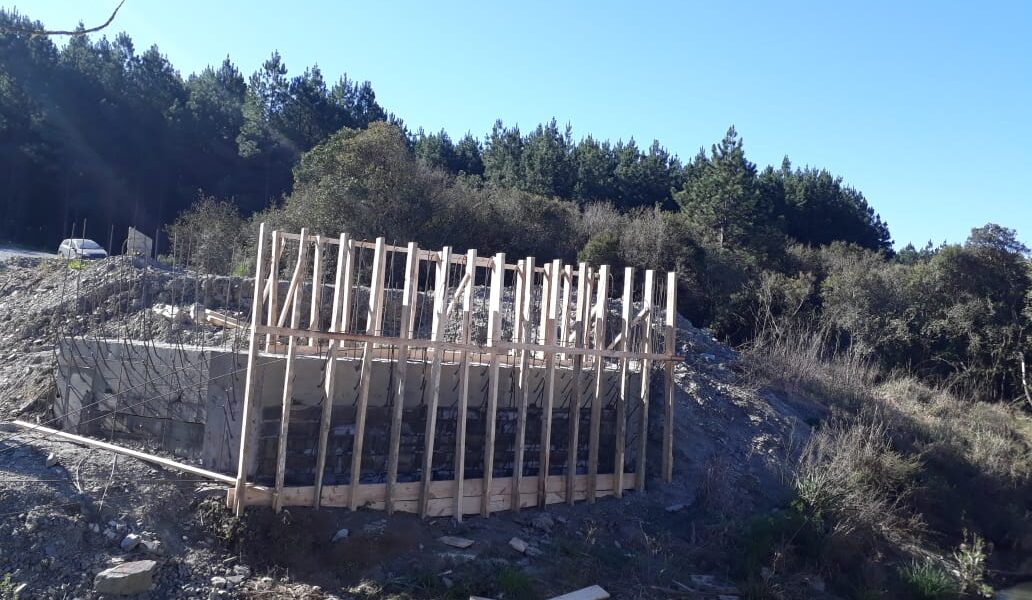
<point x="928" y="581"/>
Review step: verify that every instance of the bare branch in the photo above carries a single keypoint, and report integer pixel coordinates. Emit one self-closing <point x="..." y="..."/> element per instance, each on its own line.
<point x="42" y="32"/>
<point x="1024" y="379"/>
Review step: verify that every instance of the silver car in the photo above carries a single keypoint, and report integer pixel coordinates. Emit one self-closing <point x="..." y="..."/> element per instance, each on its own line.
<point x="81" y="248"/>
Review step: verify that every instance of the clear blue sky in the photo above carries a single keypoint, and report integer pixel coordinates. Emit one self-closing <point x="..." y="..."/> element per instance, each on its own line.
<point x="926" y="107"/>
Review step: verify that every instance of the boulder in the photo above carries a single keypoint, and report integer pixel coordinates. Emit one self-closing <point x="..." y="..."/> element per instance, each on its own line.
<point x="126" y="578"/>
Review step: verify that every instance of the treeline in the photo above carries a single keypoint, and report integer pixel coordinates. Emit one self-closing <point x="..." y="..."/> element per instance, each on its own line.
<point x="96" y="131"/>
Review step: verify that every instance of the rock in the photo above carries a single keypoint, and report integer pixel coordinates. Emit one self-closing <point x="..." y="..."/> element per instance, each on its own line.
<point x="543" y="521"/>
<point x="455" y="542"/>
<point x="518" y="545"/>
<point x="126" y="578"/>
<point x="151" y="546"/>
<point x="676" y="507"/>
<point x="51" y="460"/>
<point x="235" y="579"/>
<point x="219" y="582"/>
<point x="242" y="570"/>
<point x="342" y="534"/>
<point x="130" y="542"/>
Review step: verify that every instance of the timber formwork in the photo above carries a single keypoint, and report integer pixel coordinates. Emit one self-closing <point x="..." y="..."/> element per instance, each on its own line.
<point x="521" y="347"/>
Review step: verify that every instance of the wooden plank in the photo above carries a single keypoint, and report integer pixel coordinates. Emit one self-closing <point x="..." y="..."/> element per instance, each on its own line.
<point x="648" y="296"/>
<point x="408" y="299"/>
<point x="671" y="347"/>
<point x="150" y="458"/>
<point x="330" y="379"/>
<point x="277" y="250"/>
<point x="601" y="310"/>
<point x="621" y="401"/>
<point x="315" y="314"/>
<point x="346" y="292"/>
<point x="564" y="313"/>
<point x="440" y="322"/>
<point x="288" y="378"/>
<point x="293" y="291"/>
<point x="374" y="316"/>
<point x="579" y="331"/>
<point x="523" y="307"/>
<point x="594" y="592"/>
<point x="494" y="334"/>
<point x="460" y="425"/>
<point x="552" y="309"/>
<point x="248" y="412"/>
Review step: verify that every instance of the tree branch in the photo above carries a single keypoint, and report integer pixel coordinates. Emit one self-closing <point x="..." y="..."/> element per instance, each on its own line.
<point x="1024" y="379"/>
<point x="42" y="32"/>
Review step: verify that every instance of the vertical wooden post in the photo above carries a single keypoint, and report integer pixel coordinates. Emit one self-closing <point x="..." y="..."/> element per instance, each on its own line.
<point x="524" y="305"/>
<point x="246" y="428"/>
<point x="580" y="335"/>
<point x="621" y="401"/>
<point x="671" y="348"/>
<point x="288" y="378"/>
<point x="407" y="300"/>
<point x="346" y="291"/>
<point x="494" y="335"/>
<point x="564" y="310"/>
<point x="460" y="425"/>
<point x="331" y="370"/>
<point x="277" y="249"/>
<point x="317" y="277"/>
<point x="374" y="316"/>
<point x="555" y="275"/>
<point x="601" y="311"/>
<point x="643" y="425"/>
<point x="440" y="322"/>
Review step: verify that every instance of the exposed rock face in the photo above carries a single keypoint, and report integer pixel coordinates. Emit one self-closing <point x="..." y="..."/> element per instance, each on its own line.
<point x="126" y="578"/>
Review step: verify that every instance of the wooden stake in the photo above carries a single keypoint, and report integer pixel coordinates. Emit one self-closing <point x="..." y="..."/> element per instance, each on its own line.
<point x="460" y="425"/>
<point x="621" y="401"/>
<point x="440" y="322"/>
<point x="643" y="425"/>
<point x="374" y="317"/>
<point x="317" y="277"/>
<point x="579" y="335"/>
<point x="288" y="381"/>
<point x="494" y="334"/>
<point x="331" y="370"/>
<point x="564" y="311"/>
<point x="248" y="411"/>
<point x="408" y="299"/>
<point x="671" y="347"/>
<point x="523" y="305"/>
<point x="555" y="274"/>
<point x="277" y="250"/>
<point x="601" y="310"/>
<point x="346" y="291"/>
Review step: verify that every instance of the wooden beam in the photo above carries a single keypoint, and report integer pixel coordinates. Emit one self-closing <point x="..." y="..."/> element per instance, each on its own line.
<point x="621" y="401"/>
<point x="523" y="305"/>
<point x="460" y="425"/>
<point x="277" y="250"/>
<point x="671" y="347"/>
<point x="555" y="274"/>
<point x="248" y="411"/>
<point x="648" y="297"/>
<point x="288" y="377"/>
<point x="292" y="290"/>
<point x="408" y="299"/>
<point x="373" y="317"/>
<point x="601" y="310"/>
<point x="315" y="314"/>
<point x="564" y="312"/>
<point x="331" y="372"/>
<point x="346" y="292"/>
<point x="150" y="458"/>
<point x="579" y="331"/>
<point x="440" y="323"/>
<point x="494" y="335"/>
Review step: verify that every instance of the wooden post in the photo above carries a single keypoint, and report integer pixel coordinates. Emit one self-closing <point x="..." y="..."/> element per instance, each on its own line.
<point x="440" y="322"/>
<point x="317" y="277"/>
<point x="277" y="249"/>
<point x="579" y="336"/>
<point x="494" y="335"/>
<point x="374" y="316"/>
<point x="671" y="348"/>
<point x="621" y="401"/>
<point x="555" y="275"/>
<point x="346" y="291"/>
<point x="460" y="425"/>
<point x="246" y="429"/>
<point x="564" y="311"/>
<point x="524" y="306"/>
<point x="331" y="371"/>
<point x="288" y="381"/>
<point x="643" y="426"/>
<point x="601" y="311"/>
<point x="407" y="300"/>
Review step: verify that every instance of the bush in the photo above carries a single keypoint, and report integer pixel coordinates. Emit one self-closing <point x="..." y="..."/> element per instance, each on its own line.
<point x="206" y="236"/>
<point x="928" y="581"/>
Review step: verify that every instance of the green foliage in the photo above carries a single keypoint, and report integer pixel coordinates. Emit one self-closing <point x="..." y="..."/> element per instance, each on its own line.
<point x="926" y="580"/>
<point x="206" y="236"/>
<point x="7" y="588"/>
<point x="515" y="584"/>
<point x="970" y="558"/>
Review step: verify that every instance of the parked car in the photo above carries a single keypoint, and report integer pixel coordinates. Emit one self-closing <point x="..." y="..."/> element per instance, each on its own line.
<point x="81" y="248"/>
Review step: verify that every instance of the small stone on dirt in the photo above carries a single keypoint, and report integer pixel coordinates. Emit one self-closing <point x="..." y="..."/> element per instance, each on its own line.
<point x="544" y="522"/>
<point x="342" y="534"/>
<point x="455" y="542"/>
<point x="126" y="578"/>
<point x="518" y="545"/>
<point x="219" y="582"/>
<point x="51" y="460"/>
<point x="130" y="542"/>
<point x="242" y="570"/>
<point x="676" y="507"/>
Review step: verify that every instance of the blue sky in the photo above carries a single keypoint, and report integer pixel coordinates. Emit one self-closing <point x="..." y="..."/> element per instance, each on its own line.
<point x="926" y="107"/>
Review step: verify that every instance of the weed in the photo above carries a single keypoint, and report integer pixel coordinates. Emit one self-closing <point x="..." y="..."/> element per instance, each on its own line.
<point x="515" y="584"/>
<point x="928" y="581"/>
<point x="7" y="588"/>
<point x="970" y="558"/>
